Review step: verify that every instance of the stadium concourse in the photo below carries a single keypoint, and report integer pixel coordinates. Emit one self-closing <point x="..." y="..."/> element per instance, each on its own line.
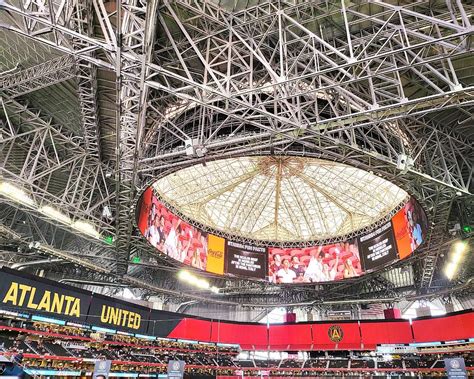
<point x="236" y="188"/>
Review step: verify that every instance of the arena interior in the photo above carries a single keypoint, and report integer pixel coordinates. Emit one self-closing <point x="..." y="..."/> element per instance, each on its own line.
<point x="236" y="188"/>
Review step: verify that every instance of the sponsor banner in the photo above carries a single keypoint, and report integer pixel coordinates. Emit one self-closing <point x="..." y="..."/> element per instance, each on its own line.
<point x="215" y="254"/>
<point x="409" y="227"/>
<point x="38" y="296"/>
<point x="171" y="235"/>
<point x="107" y="313"/>
<point x="314" y="264"/>
<point x="455" y="368"/>
<point x="101" y="369"/>
<point x="246" y="260"/>
<point x="378" y="247"/>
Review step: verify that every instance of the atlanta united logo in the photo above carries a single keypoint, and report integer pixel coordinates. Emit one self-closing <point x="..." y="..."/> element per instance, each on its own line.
<point x="335" y="333"/>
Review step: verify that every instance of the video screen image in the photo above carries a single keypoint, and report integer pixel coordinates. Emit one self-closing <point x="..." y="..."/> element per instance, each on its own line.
<point x="171" y="235"/>
<point x="314" y="264"/>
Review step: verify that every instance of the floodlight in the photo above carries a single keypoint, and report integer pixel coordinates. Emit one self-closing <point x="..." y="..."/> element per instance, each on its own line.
<point x="86" y="228"/>
<point x="16" y="194"/>
<point x="55" y="214"/>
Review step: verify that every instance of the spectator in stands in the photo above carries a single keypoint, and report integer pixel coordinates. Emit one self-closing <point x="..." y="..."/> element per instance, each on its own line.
<point x="18" y="358"/>
<point x="196" y="260"/>
<point x="151" y="218"/>
<point x="183" y="246"/>
<point x="286" y="274"/>
<point x="161" y="231"/>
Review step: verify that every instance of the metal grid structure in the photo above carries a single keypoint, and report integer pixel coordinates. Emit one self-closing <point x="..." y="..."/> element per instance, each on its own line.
<point x="280" y="199"/>
<point x="99" y="98"/>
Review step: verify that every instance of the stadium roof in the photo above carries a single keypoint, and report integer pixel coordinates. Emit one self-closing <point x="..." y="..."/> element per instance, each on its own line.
<point x="281" y="198"/>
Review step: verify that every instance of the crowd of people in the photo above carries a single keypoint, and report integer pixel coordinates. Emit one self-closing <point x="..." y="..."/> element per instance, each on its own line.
<point x="315" y="264"/>
<point x="91" y="338"/>
<point x="23" y="344"/>
<point x="37" y="351"/>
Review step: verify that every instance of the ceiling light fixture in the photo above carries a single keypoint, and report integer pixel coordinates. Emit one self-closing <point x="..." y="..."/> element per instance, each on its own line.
<point x="20" y="196"/>
<point x="457" y="254"/>
<point x="191" y="279"/>
<point x="16" y="194"/>
<point x="86" y="228"/>
<point x="55" y="214"/>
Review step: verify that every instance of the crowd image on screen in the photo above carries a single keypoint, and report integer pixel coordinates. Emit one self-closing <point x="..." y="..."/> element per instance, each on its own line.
<point x="171" y="235"/>
<point x="314" y="264"/>
<point x="414" y="220"/>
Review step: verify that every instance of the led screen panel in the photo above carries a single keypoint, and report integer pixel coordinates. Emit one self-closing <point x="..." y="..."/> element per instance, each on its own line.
<point x="23" y="292"/>
<point x="455" y="327"/>
<point x="246" y="260"/>
<point x="410" y="227"/>
<point x="118" y="315"/>
<point x="290" y="337"/>
<point x="215" y="254"/>
<point x="171" y="235"/>
<point x="314" y="264"/>
<point x="336" y="336"/>
<point x="395" y="239"/>
<point x="390" y="332"/>
<point x="192" y="329"/>
<point x="378" y="247"/>
<point x="247" y="335"/>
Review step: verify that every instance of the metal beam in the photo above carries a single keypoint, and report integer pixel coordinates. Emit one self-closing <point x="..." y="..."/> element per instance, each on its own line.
<point x="37" y="77"/>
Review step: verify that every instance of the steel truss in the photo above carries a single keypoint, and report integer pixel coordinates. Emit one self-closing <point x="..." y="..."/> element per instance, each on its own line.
<point x="52" y="165"/>
<point x="86" y="79"/>
<point x="353" y="83"/>
<point x="40" y="76"/>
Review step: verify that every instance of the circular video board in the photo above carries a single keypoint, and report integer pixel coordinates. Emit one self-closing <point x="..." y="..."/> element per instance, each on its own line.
<point x="391" y="239"/>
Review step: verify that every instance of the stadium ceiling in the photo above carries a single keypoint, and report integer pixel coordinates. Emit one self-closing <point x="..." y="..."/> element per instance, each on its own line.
<point x="100" y="98"/>
<point x="283" y="199"/>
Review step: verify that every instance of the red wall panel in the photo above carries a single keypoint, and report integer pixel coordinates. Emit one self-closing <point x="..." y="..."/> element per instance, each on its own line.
<point x="374" y="333"/>
<point x="247" y="335"/>
<point x="316" y="336"/>
<point x="291" y="337"/>
<point x="350" y="336"/>
<point x="192" y="329"/>
<point x="447" y="328"/>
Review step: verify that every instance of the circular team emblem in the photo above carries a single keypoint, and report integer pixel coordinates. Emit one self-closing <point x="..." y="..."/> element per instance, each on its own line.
<point x="455" y="364"/>
<point x="102" y="365"/>
<point x="176" y="366"/>
<point x="335" y="333"/>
